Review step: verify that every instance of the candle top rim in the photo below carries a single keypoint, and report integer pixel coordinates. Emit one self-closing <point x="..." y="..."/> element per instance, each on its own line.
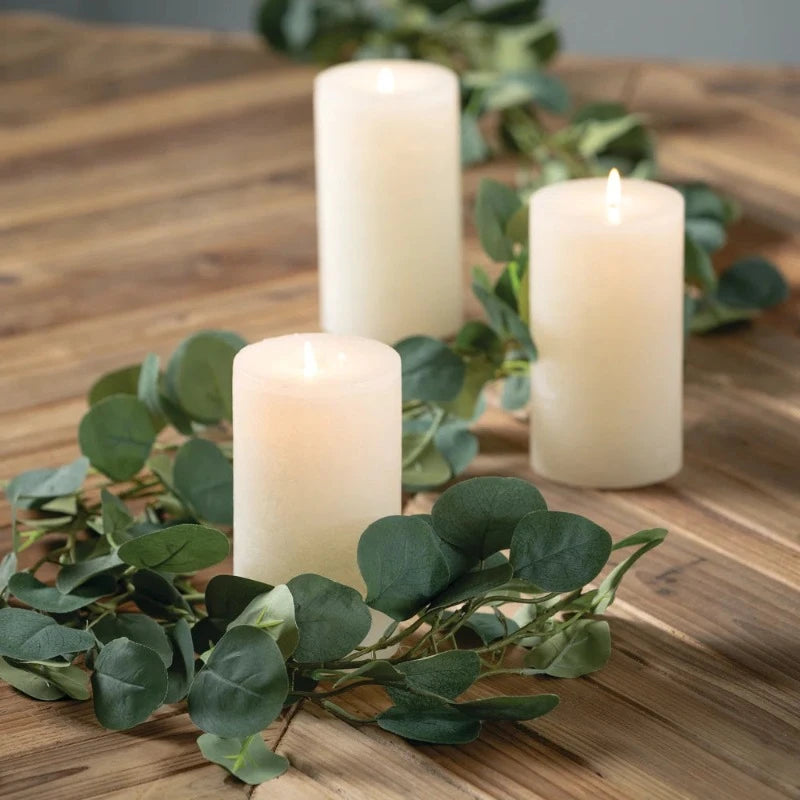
<point x="584" y="200"/>
<point x="303" y="362"/>
<point x="411" y="78"/>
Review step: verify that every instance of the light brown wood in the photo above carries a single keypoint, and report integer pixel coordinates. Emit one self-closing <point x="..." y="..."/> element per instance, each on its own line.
<point x="154" y="183"/>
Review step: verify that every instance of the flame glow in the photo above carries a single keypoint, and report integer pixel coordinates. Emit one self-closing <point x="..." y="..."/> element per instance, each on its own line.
<point x="385" y="82"/>
<point x="613" y="197"/>
<point x="310" y="368"/>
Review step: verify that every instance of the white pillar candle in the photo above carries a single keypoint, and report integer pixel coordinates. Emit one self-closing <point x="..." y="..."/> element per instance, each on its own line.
<point x="389" y="199"/>
<point x="317" y="453"/>
<point x="607" y="317"/>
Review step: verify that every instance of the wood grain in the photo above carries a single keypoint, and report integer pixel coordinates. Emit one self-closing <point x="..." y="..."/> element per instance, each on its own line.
<point x="155" y="183"/>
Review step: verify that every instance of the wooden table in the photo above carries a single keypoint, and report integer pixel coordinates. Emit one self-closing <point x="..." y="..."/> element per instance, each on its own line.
<point x="156" y="183"/>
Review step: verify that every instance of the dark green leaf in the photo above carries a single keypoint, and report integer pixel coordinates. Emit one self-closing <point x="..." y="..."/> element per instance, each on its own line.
<point x="401" y="564"/>
<point x="71" y="576"/>
<point x="431" y="370"/>
<point x="467" y="404"/>
<point x="248" y="759"/>
<point x="28" y="636"/>
<point x="179" y="549"/>
<point x="273" y="612"/>
<point x="582" y="648"/>
<point x="473" y="584"/>
<point x="241" y="689"/>
<point x="457" y="444"/>
<point x="31" y="591"/>
<point x="117" y="435"/>
<point x="70" y="679"/>
<point x="116" y="517"/>
<point x="490" y="628"/>
<point x="332" y="618"/>
<point x="702" y="201"/>
<point x="129" y="684"/>
<point x="8" y="566"/>
<point x="473" y="146"/>
<point x="180" y="672"/>
<point x="38" y="484"/>
<point x="444" y="725"/>
<point x="138" y="628"/>
<point x="121" y="381"/>
<point x="157" y="596"/>
<point x="445" y="675"/>
<point x="228" y="595"/>
<point x="505" y="320"/>
<point x="25" y="680"/>
<point x="199" y="375"/>
<point x="479" y="515"/>
<point x="697" y="266"/>
<point x="709" y="314"/>
<point x="203" y="479"/>
<point x="509" y="707"/>
<point x="709" y="234"/>
<point x="429" y="469"/>
<point x="752" y="283"/>
<point x="496" y="204"/>
<point x="558" y="551"/>
<point x="379" y="671"/>
<point x="477" y="337"/>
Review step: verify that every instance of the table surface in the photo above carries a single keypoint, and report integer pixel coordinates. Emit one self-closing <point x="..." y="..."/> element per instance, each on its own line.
<point x="155" y="183"/>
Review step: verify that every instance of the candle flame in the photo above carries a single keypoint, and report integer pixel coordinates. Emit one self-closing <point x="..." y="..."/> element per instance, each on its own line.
<point x="385" y="80"/>
<point x="310" y="368"/>
<point x="613" y="197"/>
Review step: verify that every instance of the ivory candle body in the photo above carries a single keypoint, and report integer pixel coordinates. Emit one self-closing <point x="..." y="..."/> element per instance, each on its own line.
<point x="317" y="446"/>
<point x="606" y="310"/>
<point x="389" y="199"/>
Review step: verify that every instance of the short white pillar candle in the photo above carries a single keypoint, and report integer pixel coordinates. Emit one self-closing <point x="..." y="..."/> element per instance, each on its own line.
<point x="317" y="453"/>
<point x="389" y="199"/>
<point x="606" y="278"/>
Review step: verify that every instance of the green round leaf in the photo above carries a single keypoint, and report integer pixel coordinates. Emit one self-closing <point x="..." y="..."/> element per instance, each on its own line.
<point x="203" y="479"/>
<point x="116" y="435"/>
<point x="179" y="549"/>
<point x="180" y="671"/>
<point x="558" y="551"/>
<point x="71" y="576"/>
<point x="31" y="591"/>
<point x="582" y="648"/>
<point x="139" y="628"/>
<point x="479" y="515"/>
<point x="121" y="381"/>
<point x="70" y="679"/>
<point x="42" y="484"/>
<point x="474" y="584"/>
<point x="157" y="596"/>
<point x="242" y="687"/>
<point x="248" y="759"/>
<point x="442" y="725"/>
<point x="28" y="636"/>
<point x="446" y="675"/>
<point x="31" y="683"/>
<point x="332" y="618"/>
<point x="430" y="468"/>
<point x="273" y="612"/>
<point x="697" y="266"/>
<point x="401" y="564"/>
<point x="199" y="375"/>
<point x="129" y="683"/>
<point x="707" y="233"/>
<point x="752" y="283"/>
<point x="509" y="707"/>
<point x="431" y="370"/>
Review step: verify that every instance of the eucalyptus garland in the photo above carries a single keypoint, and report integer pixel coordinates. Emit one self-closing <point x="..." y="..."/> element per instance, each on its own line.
<point x="107" y="609"/>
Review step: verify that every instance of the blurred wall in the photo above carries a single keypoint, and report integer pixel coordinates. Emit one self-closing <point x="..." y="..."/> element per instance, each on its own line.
<point x="732" y="30"/>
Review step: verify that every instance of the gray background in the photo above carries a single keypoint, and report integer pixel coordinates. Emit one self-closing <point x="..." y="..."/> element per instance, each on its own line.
<point x="732" y="30"/>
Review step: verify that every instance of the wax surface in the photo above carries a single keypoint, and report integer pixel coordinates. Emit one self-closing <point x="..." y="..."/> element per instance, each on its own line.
<point x="607" y="318"/>
<point x="317" y="453"/>
<point x="389" y="199"/>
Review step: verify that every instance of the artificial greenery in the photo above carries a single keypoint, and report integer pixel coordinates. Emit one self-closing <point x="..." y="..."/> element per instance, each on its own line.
<point x="109" y="610"/>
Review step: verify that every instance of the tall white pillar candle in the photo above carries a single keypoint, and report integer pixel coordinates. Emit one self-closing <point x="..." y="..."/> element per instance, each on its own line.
<point x="389" y="199"/>
<point x="607" y="317"/>
<point x="317" y="453"/>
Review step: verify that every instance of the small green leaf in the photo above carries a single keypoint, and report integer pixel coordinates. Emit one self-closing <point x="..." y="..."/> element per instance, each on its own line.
<point x="147" y="386"/>
<point x="40" y="484"/>
<point x="457" y="444"/>
<point x="8" y="566"/>
<point x="496" y="204"/>
<point x="116" y="435"/>
<point x="129" y="683"/>
<point x="478" y="516"/>
<point x="401" y="564"/>
<point x="31" y="591"/>
<point x="28" y="682"/>
<point x="509" y="707"/>
<point x="379" y="671"/>
<point x="431" y="370"/>
<point x="71" y="576"/>
<point x="180" y="671"/>
<point x="428" y="469"/>
<point x="516" y="392"/>
<point x="752" y="283"/>
<point x="70" y="679"/>
<point x="697" y="265"/>
<point x="474" y="149"/>
<point x="444" y="675"/>
<point x="179" y="549"/>
<point x="332" y="618"/>
<point x="709" y="234"/>
<point x="558" y="551"/>
<point x="138" y="628"/>
<point x="28" y="636"/>
<point x="116" y="517"/>
<point x="582" y="648"/>
<point x="490" y="627"/>
<point x="121" y="381"/>
<point x="476" y="337"/>
<point x="473" y="584"/>
<point x="505" y="320"/>
<point x="273" y="612"/>
<point x="157" y="596"/>
<point x="444" y="725"/>
<point x="248" y="759"/>
<point x="203" y="479"/>
<point x="242" y="687"/>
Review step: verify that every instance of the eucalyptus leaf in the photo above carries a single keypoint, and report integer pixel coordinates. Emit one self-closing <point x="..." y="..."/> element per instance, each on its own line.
<point x="401" y="564"/>
<point x="203" y="478"/>
<point x="157" y="596"/>
<point x="379" y="671"/>
<point x="116" y="517"/>
<point x="137" y="628"/>
<point x="431" y="370"/>
<point x="129" y="683"/>
<point x="242" y="687"/>
<point x="70" y="679"/>
<point x="29" y="636"/>
<point x="121" y="381"/>
<point x="443" y="725"/>
<point x="490" y="627"/>
<point x="31" y="683"/>
<point x="473" y="584"/>
<point x="273" y="612"/>
<point x="558" y="551"/>
<point x="71" y="576"/>
<point x="180" y="671"/>
<point x="516" y="392"/>
<point x="697" y="265"/>
<point x="444" y="676"/>
<point x="31" y="591"/>
<point x="752" y="283"/>
<point x="429" y="467"/>
<point x="50" y="482"/>
<point x="582" y="648"/>
<point x="179" y="549"/>
<point x="147" y="387"/>
<point x="332" y="619"/>
<point x="509" y="707"/>
<point x="116" y="435"/>
<point x="505" y="320"/>
<point x="248" y="759"/>
<point x="479" y="515"/>
<point x="457" y="444"/>
<point x="8" y="566"/>
<point x="473" y="146"/>
<point x="496" y="204"/>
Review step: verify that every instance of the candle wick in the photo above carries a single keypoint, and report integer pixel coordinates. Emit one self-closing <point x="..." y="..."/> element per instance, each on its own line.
<point x="310" y="368"/>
